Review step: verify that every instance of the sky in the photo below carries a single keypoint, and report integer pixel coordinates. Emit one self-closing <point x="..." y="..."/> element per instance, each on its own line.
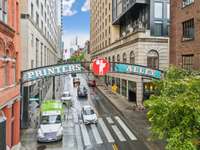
<point x="76" y="22"/>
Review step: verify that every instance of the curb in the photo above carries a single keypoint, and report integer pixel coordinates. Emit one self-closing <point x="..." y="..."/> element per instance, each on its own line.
<point x="107" y="97"/>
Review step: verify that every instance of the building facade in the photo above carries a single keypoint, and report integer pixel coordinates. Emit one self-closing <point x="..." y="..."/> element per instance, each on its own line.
<point x="10" y="60"/>
<point x="185" y="34"/>
<point x="134" y="32"/>
<point x="41" y="43"/>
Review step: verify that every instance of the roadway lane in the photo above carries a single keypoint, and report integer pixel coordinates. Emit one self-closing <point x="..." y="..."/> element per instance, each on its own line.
<point x="111" y="132"/>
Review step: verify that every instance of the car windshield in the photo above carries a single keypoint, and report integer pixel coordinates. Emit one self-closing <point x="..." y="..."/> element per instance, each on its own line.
<point x="53" y="119"/>
<point x="65" y="95"/>
<point x="88" y="112"/>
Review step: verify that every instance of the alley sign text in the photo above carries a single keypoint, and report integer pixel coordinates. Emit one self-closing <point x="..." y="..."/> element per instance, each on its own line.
<point x="138" y="70"/>
<point x="51" y="71"/>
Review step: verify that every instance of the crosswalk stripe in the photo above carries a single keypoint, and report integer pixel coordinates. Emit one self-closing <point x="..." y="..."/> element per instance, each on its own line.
<point x="96" y="134"/>
<point x="118" y="133"/>
<point x="86" y="138"/>
<point x="125" y="128"/>
<point x="106" y="131"/>
<point x="109" y="119"/>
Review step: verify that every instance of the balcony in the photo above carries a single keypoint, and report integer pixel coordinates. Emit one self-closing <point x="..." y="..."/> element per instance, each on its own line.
<point x="126" y="6"/>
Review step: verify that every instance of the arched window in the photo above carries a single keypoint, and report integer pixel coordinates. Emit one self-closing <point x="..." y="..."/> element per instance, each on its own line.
<point x="113" y="58"/>
<point x="124" y="58"/>
<point x="109" y="59"/>
<point x="118" y="58"/>
<point x="153" y="59"/>
<point x="132" y="57"/>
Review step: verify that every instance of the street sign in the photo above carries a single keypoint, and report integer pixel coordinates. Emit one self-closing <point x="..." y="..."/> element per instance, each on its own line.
<point x="42" y="72"/>
<point x="100" y="66"/>
<point x="138" y="70"/>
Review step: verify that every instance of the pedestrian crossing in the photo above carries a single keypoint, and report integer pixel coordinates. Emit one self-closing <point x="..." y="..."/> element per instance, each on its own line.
<point x="108" y="130"/>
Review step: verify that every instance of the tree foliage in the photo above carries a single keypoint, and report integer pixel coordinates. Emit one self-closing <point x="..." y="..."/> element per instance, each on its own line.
<point x="174" y="110"/>
<point x="79" y="58"/>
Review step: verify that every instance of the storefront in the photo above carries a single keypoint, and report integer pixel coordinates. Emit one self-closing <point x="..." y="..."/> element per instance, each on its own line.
<point x="149" y="89"/>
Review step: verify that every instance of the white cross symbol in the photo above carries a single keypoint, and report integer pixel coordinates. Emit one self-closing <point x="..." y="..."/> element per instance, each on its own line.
<point x="101" y="65"/>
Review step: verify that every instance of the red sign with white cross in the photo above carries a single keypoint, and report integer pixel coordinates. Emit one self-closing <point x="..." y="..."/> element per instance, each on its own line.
<point x="100" y="66"/>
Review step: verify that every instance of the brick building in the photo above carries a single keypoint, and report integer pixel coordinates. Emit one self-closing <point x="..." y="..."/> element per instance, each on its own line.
<point x="185" y="34"/>
<point x="9" y="73"/>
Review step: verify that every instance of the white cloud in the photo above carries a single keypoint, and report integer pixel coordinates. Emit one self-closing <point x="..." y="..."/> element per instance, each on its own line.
<point x="86" y="6"/>
<point x="69" y="39"/>
<point x="67" y="8"/>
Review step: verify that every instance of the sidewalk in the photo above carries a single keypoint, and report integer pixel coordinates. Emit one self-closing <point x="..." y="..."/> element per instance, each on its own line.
<point x="137" y="119"/>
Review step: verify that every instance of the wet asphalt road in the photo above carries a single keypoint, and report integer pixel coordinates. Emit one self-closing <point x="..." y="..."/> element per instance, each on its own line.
<point x="110" y="133"/>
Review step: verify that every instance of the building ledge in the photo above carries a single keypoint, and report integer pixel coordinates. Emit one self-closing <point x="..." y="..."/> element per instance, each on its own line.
<point x="138" y="36"/>
<point x="6" y="29"/>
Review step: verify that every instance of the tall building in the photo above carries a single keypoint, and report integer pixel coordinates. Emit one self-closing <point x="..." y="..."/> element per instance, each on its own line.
<point x="41" y="43"/>
<point x="134" y="32"/>
<point x="10" y="60"/>
<point x="185" y="34"/>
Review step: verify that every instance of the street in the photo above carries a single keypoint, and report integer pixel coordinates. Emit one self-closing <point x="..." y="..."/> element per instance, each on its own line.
<point x="110" y="133"/>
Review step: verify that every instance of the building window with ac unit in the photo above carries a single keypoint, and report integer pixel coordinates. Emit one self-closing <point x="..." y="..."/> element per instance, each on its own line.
<point x="187" y="62"/>
<point x="187" y="2"/>
<point x="188" y="30"/>
<point x="153" y="59"/>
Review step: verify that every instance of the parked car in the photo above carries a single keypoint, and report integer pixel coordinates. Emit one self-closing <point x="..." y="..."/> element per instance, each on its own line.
<point x="82" y="91"/>
<point x="76" y="81"/>
<point x="88" y="115"/>
<point x="92" y="83"/>
<point x="66" y="98"/>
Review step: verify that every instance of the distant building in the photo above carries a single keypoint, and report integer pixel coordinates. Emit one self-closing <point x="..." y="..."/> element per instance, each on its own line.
<point x="185" y="34"/>
<point x="10" y="67"/>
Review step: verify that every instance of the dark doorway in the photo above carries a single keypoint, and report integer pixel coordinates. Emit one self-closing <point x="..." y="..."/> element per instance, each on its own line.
<point x="131" y="96"/>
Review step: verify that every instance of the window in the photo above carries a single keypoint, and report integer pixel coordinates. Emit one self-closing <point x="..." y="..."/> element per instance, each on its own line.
<point x="37" y="51"/>
<point x="32" y="64"/>
<point x="118" y="58"/>
<point x="32" y="40"/>
<point x="168" y="11"/>
<point x="188" y="29"/>
<point x="32" y="11"/>
<point x="41" y="9"/>
<point x="37" y="19"/>
<point x="187" y="62"/>
<point x="187" y="2"/>
<point x="124" y="58"/>
<point x="41" y="60"/>
<point x="158" y="29"/>
<point x="132" y="57"/>
<point x="5" y="11"/>
<point x="158" y="10"/>
<point x="37" y="2"/>
<point x="153" y="59"/>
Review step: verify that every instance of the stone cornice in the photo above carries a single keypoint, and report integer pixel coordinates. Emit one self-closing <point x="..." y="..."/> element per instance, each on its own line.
<point x="7" y="30"/>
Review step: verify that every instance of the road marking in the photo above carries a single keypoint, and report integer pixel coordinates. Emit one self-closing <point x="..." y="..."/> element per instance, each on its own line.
<point x="125" y="128"/>
<point x="96" y="134"/>
<point x="86" y="138"/>
<point x="110" y="121"/>
<point x="118" y="133"/>
<point x="106" y="131"/>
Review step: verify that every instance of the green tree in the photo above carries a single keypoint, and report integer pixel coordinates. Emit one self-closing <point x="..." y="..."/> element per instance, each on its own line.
<point x="174" y="110"/>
